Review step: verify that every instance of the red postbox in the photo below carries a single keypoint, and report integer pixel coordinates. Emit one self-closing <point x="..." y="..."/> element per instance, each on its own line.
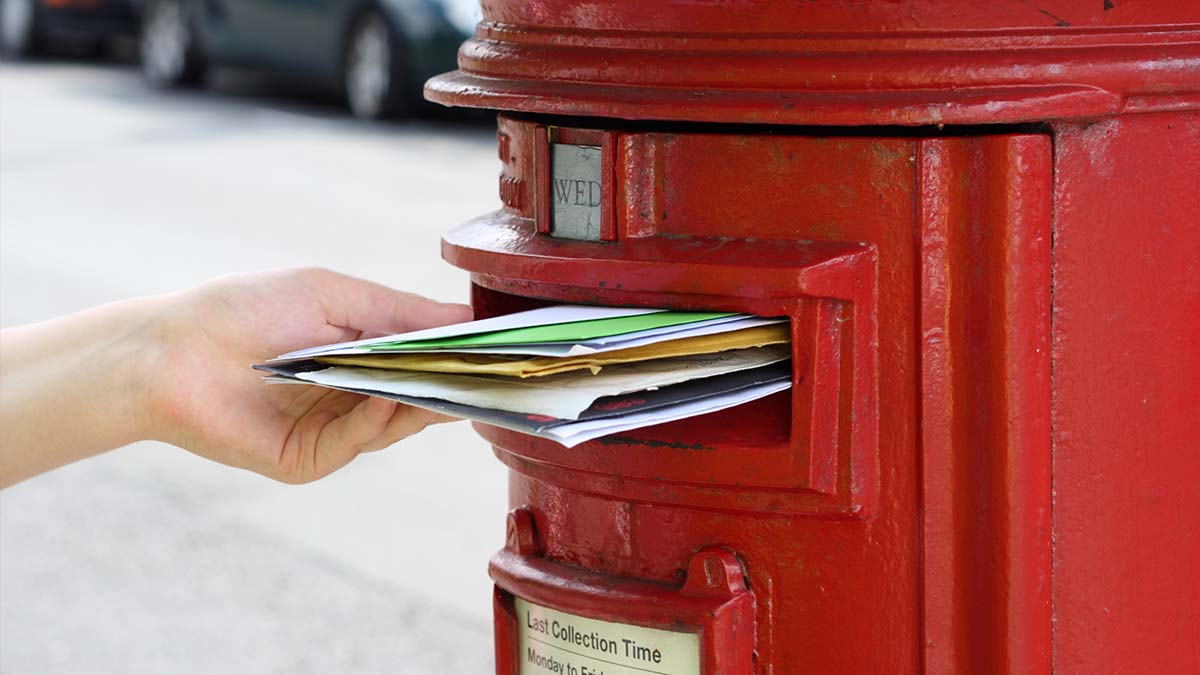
<point x="983" y="220"/>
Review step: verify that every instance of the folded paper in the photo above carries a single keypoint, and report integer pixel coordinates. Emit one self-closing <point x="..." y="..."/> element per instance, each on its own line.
<point x="564" y="396"/>
<point x="573" y="331"/>
<point x="490" y="364"/>
<point x="534" y="317"/>
<point x="608" y="415"/>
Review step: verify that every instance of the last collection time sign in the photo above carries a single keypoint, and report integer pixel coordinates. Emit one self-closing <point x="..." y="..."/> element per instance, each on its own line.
<point x="558" y="643"/>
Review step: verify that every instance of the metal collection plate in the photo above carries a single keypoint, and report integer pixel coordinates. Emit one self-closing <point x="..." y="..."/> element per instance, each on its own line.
<point x="575" y="191"/>
<point x="551" y="641"/>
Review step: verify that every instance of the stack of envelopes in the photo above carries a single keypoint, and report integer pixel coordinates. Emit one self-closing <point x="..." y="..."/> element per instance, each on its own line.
<point x="568" y="373"/>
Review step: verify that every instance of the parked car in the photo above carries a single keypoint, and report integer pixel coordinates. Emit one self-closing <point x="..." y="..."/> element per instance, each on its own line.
<point x="27" y="26"/>
<point x="379" y="52"/>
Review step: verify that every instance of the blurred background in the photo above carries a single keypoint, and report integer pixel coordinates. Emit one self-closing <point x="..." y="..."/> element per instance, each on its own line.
<point x="231" y="137"/>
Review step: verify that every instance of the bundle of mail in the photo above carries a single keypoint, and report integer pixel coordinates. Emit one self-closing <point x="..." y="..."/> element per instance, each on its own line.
<point x="568" y="373"/>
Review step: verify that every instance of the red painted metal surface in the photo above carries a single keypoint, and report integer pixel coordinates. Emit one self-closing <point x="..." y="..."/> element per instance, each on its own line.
<point x="984" y="229"/>
<point x="904" y="62"/>
<point x="989" y="459"/>
<point x="712" y="601"/>
<point x="1126" y="395"/>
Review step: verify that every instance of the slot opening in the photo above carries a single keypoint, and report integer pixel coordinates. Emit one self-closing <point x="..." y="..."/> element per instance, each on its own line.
<point x="759" y="424"/>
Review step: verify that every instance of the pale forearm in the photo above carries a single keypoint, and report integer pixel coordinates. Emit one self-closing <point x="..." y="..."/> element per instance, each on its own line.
<point x="74" y="387"/>
<point x="176" y="368"/>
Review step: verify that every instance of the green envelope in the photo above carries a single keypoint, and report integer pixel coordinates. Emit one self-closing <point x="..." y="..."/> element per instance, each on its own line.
<point x="575" y="331"/>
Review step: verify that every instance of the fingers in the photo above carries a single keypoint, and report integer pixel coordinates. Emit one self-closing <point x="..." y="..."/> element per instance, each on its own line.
<point x="439" y="418"/>
<point x="371" y="424"/>
<point x="366" y="306"/>
<point x="405" y="422"/>
<point x="349" y="434"/>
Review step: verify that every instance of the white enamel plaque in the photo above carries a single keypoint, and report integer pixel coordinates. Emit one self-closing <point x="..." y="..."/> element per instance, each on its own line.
<point x="564" y="644"/>
<point x="575" y="191"/>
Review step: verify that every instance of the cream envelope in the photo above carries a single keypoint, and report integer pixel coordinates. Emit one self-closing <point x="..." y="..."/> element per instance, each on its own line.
<point x="489" y="364"/>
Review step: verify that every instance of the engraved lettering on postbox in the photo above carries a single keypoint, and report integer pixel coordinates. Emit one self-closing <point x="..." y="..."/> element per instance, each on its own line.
<point x="550" y="641"/>
<point x="575" y="191"/>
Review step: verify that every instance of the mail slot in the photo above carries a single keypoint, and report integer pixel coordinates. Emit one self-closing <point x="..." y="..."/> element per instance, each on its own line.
<point x="980" y="225"/>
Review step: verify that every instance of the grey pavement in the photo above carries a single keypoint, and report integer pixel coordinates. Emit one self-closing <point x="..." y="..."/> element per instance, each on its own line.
<point x="150" y="560"/>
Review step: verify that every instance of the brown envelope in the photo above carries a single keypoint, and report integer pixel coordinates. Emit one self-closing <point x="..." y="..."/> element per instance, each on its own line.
<point x="496" y="364"/>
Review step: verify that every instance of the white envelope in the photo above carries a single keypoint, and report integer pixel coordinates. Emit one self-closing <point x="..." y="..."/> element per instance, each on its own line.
<point x="544" y="316"/>
<point x="571" y="435"/>
<point x="563" y="396"/>
<point x="723" y="324"/>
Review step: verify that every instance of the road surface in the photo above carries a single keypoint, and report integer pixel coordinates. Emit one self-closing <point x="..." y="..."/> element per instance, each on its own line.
<point x="150" y="560"/>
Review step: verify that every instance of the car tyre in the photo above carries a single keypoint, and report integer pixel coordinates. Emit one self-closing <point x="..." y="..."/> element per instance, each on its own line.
<point x="375" y="80"/>
<point x="20" y="28"/>
<point x="170" y="51"/>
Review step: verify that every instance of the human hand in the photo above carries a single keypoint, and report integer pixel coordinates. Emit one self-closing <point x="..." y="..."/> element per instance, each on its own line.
<point x="204" y="397"/>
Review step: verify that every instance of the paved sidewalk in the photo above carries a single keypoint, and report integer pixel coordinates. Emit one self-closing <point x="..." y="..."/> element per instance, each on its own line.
<point x="149" y="560"/>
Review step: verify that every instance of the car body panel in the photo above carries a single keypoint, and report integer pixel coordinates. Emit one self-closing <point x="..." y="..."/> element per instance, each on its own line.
<point x="92" y="20"/>
<point x="308" y="37"/>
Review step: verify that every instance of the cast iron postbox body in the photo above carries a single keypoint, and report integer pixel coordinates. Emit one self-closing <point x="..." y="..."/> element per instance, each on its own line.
<point x="983" y="221"/>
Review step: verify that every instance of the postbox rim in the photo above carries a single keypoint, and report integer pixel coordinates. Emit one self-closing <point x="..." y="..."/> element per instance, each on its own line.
<point x="906" y="79"/>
